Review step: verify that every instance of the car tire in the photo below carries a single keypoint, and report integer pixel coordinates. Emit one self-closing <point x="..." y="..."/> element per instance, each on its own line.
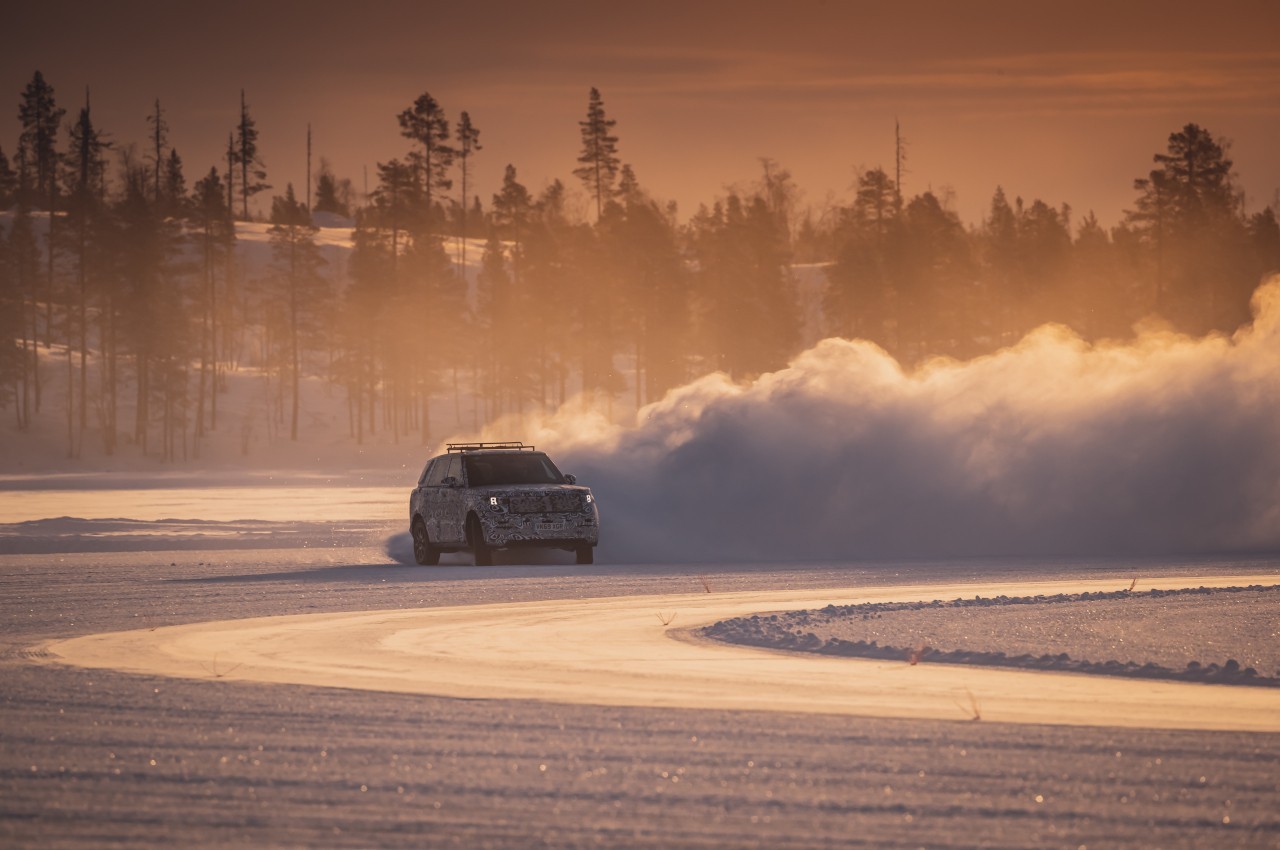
<point x="585" y="554"/>
<point x="479" y="549"/>
<point x="423" y="552"/>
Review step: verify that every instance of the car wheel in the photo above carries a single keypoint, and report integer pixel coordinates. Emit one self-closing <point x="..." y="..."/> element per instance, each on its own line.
<point x="586" y="554"/>
<point x="479" y="549"/>
<point x="423" y="552"/>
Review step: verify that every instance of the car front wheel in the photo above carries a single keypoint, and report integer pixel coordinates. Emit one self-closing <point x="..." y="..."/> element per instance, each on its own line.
<point x="586" y="554"/>
<point x="423" y="552"/>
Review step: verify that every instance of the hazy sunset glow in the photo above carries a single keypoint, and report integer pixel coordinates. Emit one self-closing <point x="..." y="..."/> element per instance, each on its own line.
<point x="675" y="424"/>
<point x="1062" y="104"/>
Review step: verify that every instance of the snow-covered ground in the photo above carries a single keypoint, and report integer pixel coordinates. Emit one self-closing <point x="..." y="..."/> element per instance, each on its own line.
<point x="1201" y="633"/>
<point x="626" y="651"/>
<point x="219" y="755"/>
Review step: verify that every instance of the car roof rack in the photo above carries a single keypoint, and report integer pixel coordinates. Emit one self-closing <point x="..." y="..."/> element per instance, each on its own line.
<point x="514" y="445"/>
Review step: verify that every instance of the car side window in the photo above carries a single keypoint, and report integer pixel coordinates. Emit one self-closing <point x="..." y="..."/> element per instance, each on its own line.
<point x="435" y="473"/>
<point x="455" y="468"/>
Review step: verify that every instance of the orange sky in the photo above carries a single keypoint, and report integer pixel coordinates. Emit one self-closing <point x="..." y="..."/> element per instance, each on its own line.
<point x="1066" y="104"/>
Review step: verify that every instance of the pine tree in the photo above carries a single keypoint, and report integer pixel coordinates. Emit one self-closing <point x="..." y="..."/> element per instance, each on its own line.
<point x="899" y="162"/>
<point x="24" y="270"/>
<point x="934" y="301"/>
<point x="12" y="356"/>
<point x="253" y="173"/>
<point x="1264" y="236"/>
<point x="85" y="179"/>
<point x="174" y="196"/>
<point x="155" y="322"/>
<point x="599" y="157"/>
<point x="512" y="208"/>
<point x="493" y="319"/>
<point x="40" y="117"/>
<point x="1109" y="304"/>
<point x="1188" y="214"/>
<point x="8" y="182"/>
<point x="396" y="200"/>
<point x="780" y="194"/>
<point x="301" y="294"/>
<point x="369" y="351"/>
<point x="1044" y="245"/>
<point x="396" y="204"/>
<point x="332" y="195"/>
<point x="425" y="123"/>
<point x="629" y="191"/>
<point x="468" y="143"/>
<point x="861" y="283"/>
<point x="643" y="251"/>
<point x="1006" y="286"/>
<point x="159" y="138"/>
<point x="231" y="171"/>
<point x="214" y="234"/>
<point x="744" y="301"/>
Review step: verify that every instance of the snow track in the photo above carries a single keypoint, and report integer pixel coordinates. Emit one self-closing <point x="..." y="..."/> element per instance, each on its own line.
<point x="639" y="651"/>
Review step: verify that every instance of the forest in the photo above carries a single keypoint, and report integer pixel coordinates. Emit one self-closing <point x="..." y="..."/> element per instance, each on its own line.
<point x="126" y="277"/>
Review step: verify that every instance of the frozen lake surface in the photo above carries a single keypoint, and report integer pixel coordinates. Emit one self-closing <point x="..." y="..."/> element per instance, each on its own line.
<point x="216" y="498"/>
<point x="98" y="757"/>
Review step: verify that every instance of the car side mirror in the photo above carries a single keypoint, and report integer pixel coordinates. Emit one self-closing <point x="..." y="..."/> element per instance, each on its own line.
<point x="450" y="481"/>
<point x="571" y="479"/>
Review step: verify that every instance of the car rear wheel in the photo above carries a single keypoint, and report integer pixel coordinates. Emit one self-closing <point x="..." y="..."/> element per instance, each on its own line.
<point x="423" y="552"/>
<point x="586" y="554"/>
<point x="479" y="549"/>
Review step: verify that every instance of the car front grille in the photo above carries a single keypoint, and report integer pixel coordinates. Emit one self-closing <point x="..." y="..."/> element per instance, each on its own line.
<point x="528" y="503"/>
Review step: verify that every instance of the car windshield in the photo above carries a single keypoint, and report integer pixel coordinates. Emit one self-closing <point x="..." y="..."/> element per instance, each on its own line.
<point x="524" y="468"/>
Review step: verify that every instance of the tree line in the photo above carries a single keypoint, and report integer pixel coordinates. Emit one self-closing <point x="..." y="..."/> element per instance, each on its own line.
<point x="133" y="278"/>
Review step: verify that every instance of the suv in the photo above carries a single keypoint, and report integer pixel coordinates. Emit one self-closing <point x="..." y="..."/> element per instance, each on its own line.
<point x="486" y="496"/>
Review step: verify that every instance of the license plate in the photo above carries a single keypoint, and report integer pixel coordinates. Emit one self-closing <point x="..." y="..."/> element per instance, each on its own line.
<point x="548" y="526"/>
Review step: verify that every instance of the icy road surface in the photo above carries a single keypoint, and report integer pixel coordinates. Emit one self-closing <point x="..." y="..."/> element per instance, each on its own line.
<point x="94" y="758"/>
<point x="627" y="651"/>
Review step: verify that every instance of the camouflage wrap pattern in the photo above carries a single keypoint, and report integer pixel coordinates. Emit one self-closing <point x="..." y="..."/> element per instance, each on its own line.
<point x="509" y="515"/>
<point x="523" y="516"/>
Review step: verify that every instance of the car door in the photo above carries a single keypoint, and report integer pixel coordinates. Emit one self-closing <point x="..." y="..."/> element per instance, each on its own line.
<point x="453" y="503"/>
<point x="418" y="501"/>
<point x="431" y="497"/>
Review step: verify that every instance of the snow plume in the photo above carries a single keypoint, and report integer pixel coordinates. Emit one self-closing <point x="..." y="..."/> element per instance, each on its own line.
<point x="1162" y="445"/>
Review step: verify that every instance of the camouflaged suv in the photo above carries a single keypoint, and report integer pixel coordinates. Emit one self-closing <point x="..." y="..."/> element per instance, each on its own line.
<point x="484" y="496"/>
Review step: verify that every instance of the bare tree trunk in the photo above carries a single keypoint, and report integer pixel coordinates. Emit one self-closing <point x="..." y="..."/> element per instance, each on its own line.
<point x="373" y="409"/>
<point x="213" y="339"/>
<point x="141" y="414"/>
<point x="295" y="359"/>
<point x="426" y="416"/>
<point x="23" y="408"/>
<point x="71" y="393"/>
<point x="28" y="350"/>
<point x="35" y="356"/>
<point x="352" y="393"/>
<point x="166" y="417"/>
<point x="109" y="413"/>
<point x="463" y="222"/>
<point x="48" y="293"/>
<point x="84" y="333"/>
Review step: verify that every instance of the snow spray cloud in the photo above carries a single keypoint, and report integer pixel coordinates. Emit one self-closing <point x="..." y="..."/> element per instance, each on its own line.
<point x="1165" y="444"/>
